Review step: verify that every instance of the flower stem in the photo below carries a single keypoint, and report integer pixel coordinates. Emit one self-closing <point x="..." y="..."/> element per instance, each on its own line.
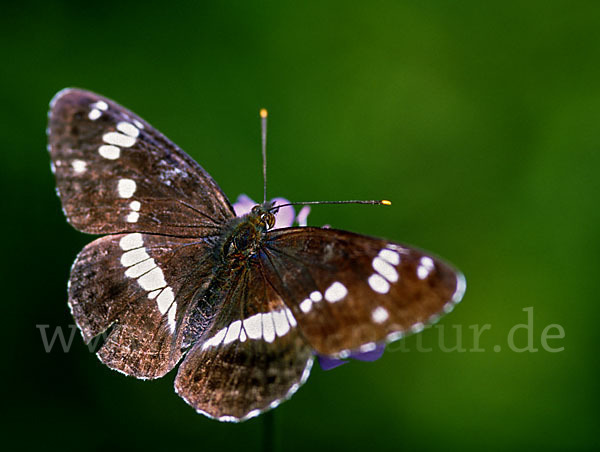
<point x="269" y="437"/>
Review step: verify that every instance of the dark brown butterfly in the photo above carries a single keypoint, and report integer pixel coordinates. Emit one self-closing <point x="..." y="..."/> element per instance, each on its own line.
<point x="178" y="276"/>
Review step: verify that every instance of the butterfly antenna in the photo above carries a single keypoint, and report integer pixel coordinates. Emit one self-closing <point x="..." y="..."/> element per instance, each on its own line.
<point x="263" y="136"/>
<point x="377" y="202"/>
<point x="263" y="129"/>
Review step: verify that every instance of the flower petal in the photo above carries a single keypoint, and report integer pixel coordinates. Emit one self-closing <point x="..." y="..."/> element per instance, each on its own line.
<point x="302" y="217"/>
<point x="285" y="216"/>
<point x="243" y="205"/>
<point x="328" y="363"/>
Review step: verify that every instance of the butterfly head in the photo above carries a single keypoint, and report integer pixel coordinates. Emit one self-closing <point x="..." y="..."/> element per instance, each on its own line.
<point x="245" y="237"/>
<point x="263" y="216"/>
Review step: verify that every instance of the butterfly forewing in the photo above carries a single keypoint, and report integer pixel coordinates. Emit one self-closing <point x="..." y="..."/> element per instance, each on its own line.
<point x="349" y="292"/>
<point x="116" y="173"/>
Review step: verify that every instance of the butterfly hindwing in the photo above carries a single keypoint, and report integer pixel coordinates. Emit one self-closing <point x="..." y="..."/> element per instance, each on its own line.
<point x="116" y="173"/>
<point x="253" y="358"/>
<point x="137" y="288"/>
<point x="350" y="292"/>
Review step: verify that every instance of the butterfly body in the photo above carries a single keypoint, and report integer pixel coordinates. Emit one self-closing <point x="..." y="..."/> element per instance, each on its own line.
<point x="244" y="236"/>
<point x="240" y="303"/>
<point x="235" y="251"/>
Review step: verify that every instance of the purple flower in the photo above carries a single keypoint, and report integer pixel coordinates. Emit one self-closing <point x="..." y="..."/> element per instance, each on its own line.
<point x="328" y="363"/>
<point x="285" y="218"/>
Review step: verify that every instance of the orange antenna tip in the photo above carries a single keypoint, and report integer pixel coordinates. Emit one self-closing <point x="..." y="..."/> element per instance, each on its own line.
<point x="263" y="113"/>
<point x="385" y="202"/>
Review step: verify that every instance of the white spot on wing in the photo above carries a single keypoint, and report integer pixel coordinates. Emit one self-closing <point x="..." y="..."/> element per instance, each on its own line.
<point x="316" y="296"/>
<point x="252" y="414"/>
<point x="306" y="371"/>
<point x="134" y="256"/>
<point x="368" y="347"/>
<point x="268" y="327"/>
<point x="293" y="389"/>
<point x="132" y="217"/>
<point x="171" y="317"/>
<point x="152" y="295"/>
<point x="215" y="340"/>
<point x="94" y="114"/>
<point x="306" y="305"/>
<point x="378" y="283"/>
<point x="109" y="151"/>
<point x="425" y="267"/>
<point x="140" y="268"/>
<point x="380" y="314"/>
<point x="397" y="248"/>
<point x="253" y="326"/>
<point x="118" y="139"/>
<point x="291" y="318"/>
<point x="165" y="299"/>
<point x="138" y="124"/>
<point x="386" y="270"/>
<point x="131" y="241"/>
<point x="427" y="262"/>
<point x="449" y="307"/>
<point x="126" y="188"/>
<point x="394" y="336"/>
<point x="282" y="326"/>
<point x="233" y="332"/>
<point x="336" y="292"/>
<point x="227" y="418"/>
<point x="128" y="129"/>
<point x="390" y="256"/>
<point x="100" y="105"/>
<point x="434" y="318"/>
<point x="152" y="280"/>
<point x="79" y="166"/>
<point x="417" y="327"/>
<point x="461" y="286"/>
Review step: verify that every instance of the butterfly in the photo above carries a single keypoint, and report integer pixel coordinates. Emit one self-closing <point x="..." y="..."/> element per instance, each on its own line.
<point x="178" y="277"/>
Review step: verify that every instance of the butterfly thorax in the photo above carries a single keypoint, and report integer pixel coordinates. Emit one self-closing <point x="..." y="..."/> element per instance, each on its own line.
<point x="244" y="236"/>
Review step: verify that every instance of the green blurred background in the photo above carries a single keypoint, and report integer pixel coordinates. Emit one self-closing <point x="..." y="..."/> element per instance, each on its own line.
<point x="479" y="120"/>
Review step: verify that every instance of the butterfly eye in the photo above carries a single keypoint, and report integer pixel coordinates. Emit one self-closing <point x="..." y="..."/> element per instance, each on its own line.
<point x="269" y="219"/>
